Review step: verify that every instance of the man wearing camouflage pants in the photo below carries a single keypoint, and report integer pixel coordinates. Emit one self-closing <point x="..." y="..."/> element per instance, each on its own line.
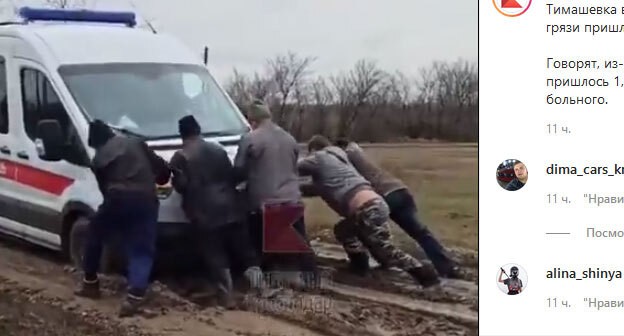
<point x="351" y="196"/>
<point x="402" y="206"/>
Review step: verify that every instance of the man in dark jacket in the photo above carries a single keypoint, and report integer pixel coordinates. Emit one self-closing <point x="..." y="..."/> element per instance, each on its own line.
<point x="204" y="176"/>
<point x="127" y="172"/>
<point x="267" y="162"/>
<point x="403" y="209"/>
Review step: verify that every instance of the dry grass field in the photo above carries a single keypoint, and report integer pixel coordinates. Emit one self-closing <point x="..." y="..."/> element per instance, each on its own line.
<point x="443" y="178"/>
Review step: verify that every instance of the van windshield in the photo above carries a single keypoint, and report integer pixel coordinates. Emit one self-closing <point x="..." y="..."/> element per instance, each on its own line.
<point x="149" y="98"/>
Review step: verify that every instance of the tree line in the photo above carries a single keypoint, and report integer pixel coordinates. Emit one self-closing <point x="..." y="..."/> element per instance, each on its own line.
<point x="365" y="103"/>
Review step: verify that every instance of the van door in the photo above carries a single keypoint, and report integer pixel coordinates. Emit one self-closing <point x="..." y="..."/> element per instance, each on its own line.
<point x="44" y="185"/>
<point x="9" y="196"/>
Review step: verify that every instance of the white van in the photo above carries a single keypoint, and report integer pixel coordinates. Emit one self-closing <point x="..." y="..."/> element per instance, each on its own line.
<point x="67" y="73"/>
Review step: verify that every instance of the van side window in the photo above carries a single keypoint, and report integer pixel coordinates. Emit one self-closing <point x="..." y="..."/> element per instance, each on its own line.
<point x="4" y="107"/>
<point x="40" y="101"/>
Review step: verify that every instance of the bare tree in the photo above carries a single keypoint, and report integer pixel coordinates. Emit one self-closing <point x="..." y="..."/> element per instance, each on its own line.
<point x="456" y="83"/>
<point x="365" y="78"/>
<point x="401" y="89"/>
<point x="358" y="86"/>
<point x="238" y="88"/>
<point x="454" y="87"/>
<point x="286" y="71"/>
<point x="261" y="88"/>
<point x="322" y="98"/>
<point x="367" y="103"/>
<point x="426" y="86"/>
<point x="302" y="95"/>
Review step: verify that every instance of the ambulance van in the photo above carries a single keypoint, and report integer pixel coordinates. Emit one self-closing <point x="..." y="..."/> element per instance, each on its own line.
<point x="60" y="69"/>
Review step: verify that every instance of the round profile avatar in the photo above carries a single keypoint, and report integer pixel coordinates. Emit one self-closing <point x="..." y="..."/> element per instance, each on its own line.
<point x="512" y="175"/>
<point x="512" y="8"/>
<point x="512" y="279"/>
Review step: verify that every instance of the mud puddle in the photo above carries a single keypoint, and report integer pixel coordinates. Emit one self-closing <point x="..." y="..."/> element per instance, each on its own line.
<point x="174" y="310"/>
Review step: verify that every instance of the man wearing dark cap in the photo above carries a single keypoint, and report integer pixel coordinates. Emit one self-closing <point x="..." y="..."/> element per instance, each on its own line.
<point x="127" y="172"/>
<point x="204" y="176"/>
<point x="402" y="207"/>
<point x="267" y="162"/>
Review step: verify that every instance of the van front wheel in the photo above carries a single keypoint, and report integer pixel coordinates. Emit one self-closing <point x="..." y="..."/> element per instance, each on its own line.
<point x="77" y="243"/>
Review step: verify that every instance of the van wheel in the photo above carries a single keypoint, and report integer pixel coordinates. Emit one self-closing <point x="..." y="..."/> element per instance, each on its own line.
<point x="77" y="242"/>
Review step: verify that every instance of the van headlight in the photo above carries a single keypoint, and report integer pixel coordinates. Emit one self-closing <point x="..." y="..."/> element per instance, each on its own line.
<point x="164" y="191"/>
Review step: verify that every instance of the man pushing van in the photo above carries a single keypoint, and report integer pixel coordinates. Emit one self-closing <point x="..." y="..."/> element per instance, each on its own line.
<point x="127" y="172"/>
<point x="204" y="176"/>
<point x="267" y="162"/>
<point x="402" y="206"/>
<point x="351" y="196"/>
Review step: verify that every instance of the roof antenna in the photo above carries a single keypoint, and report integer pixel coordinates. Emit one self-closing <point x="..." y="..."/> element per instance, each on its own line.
<point x="149" y="24"/>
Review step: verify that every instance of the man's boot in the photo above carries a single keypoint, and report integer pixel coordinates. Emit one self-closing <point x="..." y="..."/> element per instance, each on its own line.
<point x="451" y="271"/>
<point x="442" y="260"/>
<point x="425" y="275"/>
<point x="225" y="288"/>
<point x="358" y="263"/>
<point x="89" y="289"/>
<point x="131" y="306"/>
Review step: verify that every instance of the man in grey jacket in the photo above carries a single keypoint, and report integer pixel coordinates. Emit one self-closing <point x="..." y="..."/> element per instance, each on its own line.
<point x="352" y="197"/>
<point x="403" y="209"/>
<point x="267" y="162"/>
<point x="204" y="176"/>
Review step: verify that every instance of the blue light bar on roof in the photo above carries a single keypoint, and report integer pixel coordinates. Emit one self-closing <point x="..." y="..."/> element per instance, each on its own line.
<point x="37" y="14"/>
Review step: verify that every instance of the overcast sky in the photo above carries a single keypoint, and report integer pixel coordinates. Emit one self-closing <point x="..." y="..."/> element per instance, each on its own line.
<point x="400" y="34"/>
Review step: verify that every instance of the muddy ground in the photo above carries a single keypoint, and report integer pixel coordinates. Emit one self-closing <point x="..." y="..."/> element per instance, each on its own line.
<point x="36" y="299"/>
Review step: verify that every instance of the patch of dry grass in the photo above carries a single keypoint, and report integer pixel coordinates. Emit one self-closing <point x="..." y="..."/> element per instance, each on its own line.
<point x="443" y="178"/>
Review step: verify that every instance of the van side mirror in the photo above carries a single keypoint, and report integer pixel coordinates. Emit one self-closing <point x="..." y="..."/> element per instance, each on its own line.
<point x="49" y="141"/>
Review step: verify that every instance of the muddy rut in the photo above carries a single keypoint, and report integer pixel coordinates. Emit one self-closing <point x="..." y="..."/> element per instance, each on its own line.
<point x="38" y="287"/>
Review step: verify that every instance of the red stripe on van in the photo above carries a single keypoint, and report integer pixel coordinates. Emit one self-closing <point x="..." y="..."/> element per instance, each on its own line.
<point x="35" y="178"/>
<point x="7" y="170"/>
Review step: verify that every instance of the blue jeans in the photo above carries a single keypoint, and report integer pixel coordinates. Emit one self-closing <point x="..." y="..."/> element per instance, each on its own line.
<point x="403" y="212"/>
<point x="133" y="218"/>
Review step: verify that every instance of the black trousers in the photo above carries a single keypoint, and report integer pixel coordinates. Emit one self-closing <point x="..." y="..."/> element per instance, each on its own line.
<point x="403" y="212"/>
<point x="228" y="246"/>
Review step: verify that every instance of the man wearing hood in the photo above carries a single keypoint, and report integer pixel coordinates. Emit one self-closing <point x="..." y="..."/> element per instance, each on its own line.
<point x="352" y="197"/>
<point x="204" y="176"/>
<point x="127" y="172"/>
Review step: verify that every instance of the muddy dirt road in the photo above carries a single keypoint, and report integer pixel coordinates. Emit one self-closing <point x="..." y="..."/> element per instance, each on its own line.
<point x="36" y="299"/>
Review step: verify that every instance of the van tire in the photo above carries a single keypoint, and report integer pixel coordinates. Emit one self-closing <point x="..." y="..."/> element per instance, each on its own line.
<point x="77" y="242"/>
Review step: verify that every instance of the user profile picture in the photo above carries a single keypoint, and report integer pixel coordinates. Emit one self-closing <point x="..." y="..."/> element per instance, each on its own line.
<point x="512" y="279"/>
<point x="512" y="8"/>
<point x="512" y="175"/>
